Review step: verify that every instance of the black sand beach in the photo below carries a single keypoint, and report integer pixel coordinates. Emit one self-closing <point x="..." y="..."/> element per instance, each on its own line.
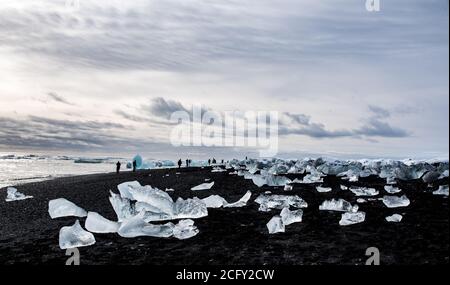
<point x="236" y="236"/>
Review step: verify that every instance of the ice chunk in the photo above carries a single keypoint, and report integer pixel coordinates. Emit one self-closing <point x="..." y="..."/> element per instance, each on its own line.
<point x="122" y="207"/>
<point x="344" y="188"/>
<point x="431" y="176"/>
<point x="241" y="202"/>
<point x="323" y="189"/>
<point x="190" y="209"/>
<point x="391" y="189"/>
<point x="185" y="229"/>
<point x="289" y="217"/>
<point x="62" y="208"/>
<point x="136" y="226"/>
<point x="169" y="190"/>
<point x="444" y="174"/>
<point x="125" y="187"/>
<point x="98" y="224"/>
<point x="269" y="180"/>
<point x="339" y="205"/>
<point x="361" y="200"/>
<point x="312" y="178"/>
<point x="364" y="191"/>
<point x="267" y="202"/>
<point x="395" y="202"/>
<point x="214" y="201"/>
<point x="204" y="186"/>
<point x="275" y="225"/>
<point x="158" y="199"/>
<point x="288" y="187"/>
<point x="350" y="218"/>
<point x="395" y="218"/>
<point x="218" y="169"/>
<point x="14" y="195"/>
<point x="75" y="236"/>
<point x="443" y="190"/>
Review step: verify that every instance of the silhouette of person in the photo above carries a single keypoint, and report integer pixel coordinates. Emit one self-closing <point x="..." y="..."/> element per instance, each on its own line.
<point x="118" y="167"/>
<point x="187" y="162"/>
<point x="134" y="165"/>
<point x="179" y="163"/>
<point x="214" y="161"/>
<point x="209" y="161"/>
<point x="222" y="161"/>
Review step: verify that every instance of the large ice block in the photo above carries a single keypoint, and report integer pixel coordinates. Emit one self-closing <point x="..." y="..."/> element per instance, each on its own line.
<point x="96" y="223"/>
<point x="267" y="202"/>
<point x="122" y="207"/>
<point x="136" y="226"/>
<point x="350" y="218"/>
<point x="339" y="205"/>
<point x="395" y="201"/>
<point x="289" y="217"/>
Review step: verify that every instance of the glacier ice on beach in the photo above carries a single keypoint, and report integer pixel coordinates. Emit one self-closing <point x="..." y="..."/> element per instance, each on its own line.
<point x="96" y="223"/>
<point x="14" y="195"/>
<point x="443" y="190"/>
<point x="395" y="201"/>
<point x="75" y="236"/>
<point x="288" y="187"/>
<point x="122" y="207"/>
<point x="125" y="187"/>
<point x="311" y="178"/>
<point x="275" y="225"/>
<point x="216" y="201"/>
<point x="193" y="208"/>
<point x="268" y="202"/>
<point x="344" y="188"/>
<point x="185" y="229"/>
<point x="269" y="180"/>
<point x="395" y="218"/>
<point x="339" y="205"/>
<point x="136" y="226"/>
<point x="321" y="189"/>
<point x="364" y="191"/>
<point x="350" y="218"/>
<point x="158" y="201"/>
<point x="63" y="208"/>
<point x="289" y="217"/>
<point x="391" y="189"/>
<point x="361" y="200"/>
<point x="203" y="186"/>
<point x="241" y="202"/>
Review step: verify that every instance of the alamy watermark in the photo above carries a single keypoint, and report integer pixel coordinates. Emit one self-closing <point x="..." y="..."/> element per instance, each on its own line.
<point x="373" y="5"/>
<point x="254" y="129"/>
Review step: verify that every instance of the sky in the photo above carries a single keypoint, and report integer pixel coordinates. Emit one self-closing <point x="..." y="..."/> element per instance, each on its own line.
<point x="103" y="77"/>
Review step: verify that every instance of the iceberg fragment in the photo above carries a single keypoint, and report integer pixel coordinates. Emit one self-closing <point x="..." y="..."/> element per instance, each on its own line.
<point x="275" y="225"/>
<point x="344" y="188"/>
<point x="122" y="207"/>
<point x="395" y="218"/>
<point x="323" y="189"/>
<point x="289" y="217"/>
<point x="159" y="200"/>
<point x="125" y="187"/>
<point x="361" y="200"/>
<point x="185" y="229"/>
<point x="63" y="208"/>
<point x="14" y="195"/>
<point x="339" y="205"/>
<point x="267" y="202"/>
<point x="443" y="190"/>
<point x="350" y="218"/>
<point x="395" y="202"/>
<point x="288" y="187"/>
<point x="241" y="202"/>
<point x="203" y="186"/>
<point x="75" y="236"/>
<point x="364" y="191"/>
<point x="391" y="189"/>
<point x="96" y="223"/>
<point x="136" y="226"/>
<point x="214" y="201"/>
<point x="189" y="209"/>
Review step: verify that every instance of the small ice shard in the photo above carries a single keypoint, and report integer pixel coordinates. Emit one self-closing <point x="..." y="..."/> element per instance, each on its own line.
<point x="122" y="207"/>
<point x="275" y="225"/>
<point x="14" y="195"/>
<point x="395" y="202"/>
<point x="391" y="189"/>
<point x="124" y="189"/>
<point x="241" y="202"/>
<point x="218" y="169"/>
<point x="312" y="178"/>
<point x="267" y="202"/>
<point x="364" y="191"/>
<point x="207" y="179"/>
<point x="339" y="205"/>
<point x="214" y="201"/>
<point x="395" y="218"/>
<point x="350" y="218"/>
<point x="75" y="236"/>
<point x="185" y="229"/>
<point x="169" y="190"/>
<point x="288" y="187"/>
<point x="443" y="190"/>
<point x="96" y="223"/>
<point x="136" y="226"/>
<point x="321" y="189"/>
<point x="63" y="208"/>
<point x="361" y="200"/>
<point x="204" y="186"/>
<point x="344" y="188"/>
<point x="289" y="217"/>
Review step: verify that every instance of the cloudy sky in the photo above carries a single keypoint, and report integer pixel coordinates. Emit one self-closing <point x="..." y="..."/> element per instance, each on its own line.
<point x="104" y="76"/>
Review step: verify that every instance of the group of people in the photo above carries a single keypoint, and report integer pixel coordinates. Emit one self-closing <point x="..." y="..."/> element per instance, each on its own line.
<point x="118" y="165"/>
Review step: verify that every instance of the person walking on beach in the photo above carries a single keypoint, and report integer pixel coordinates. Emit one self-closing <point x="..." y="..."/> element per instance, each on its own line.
<point x="209" y="161"/>
<point x="214" y="161"/>
<point x="187" y="162"/>
<point x="134" y="165"/>
<point x="179" y="163"/>
<point x="118" y="167"/>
